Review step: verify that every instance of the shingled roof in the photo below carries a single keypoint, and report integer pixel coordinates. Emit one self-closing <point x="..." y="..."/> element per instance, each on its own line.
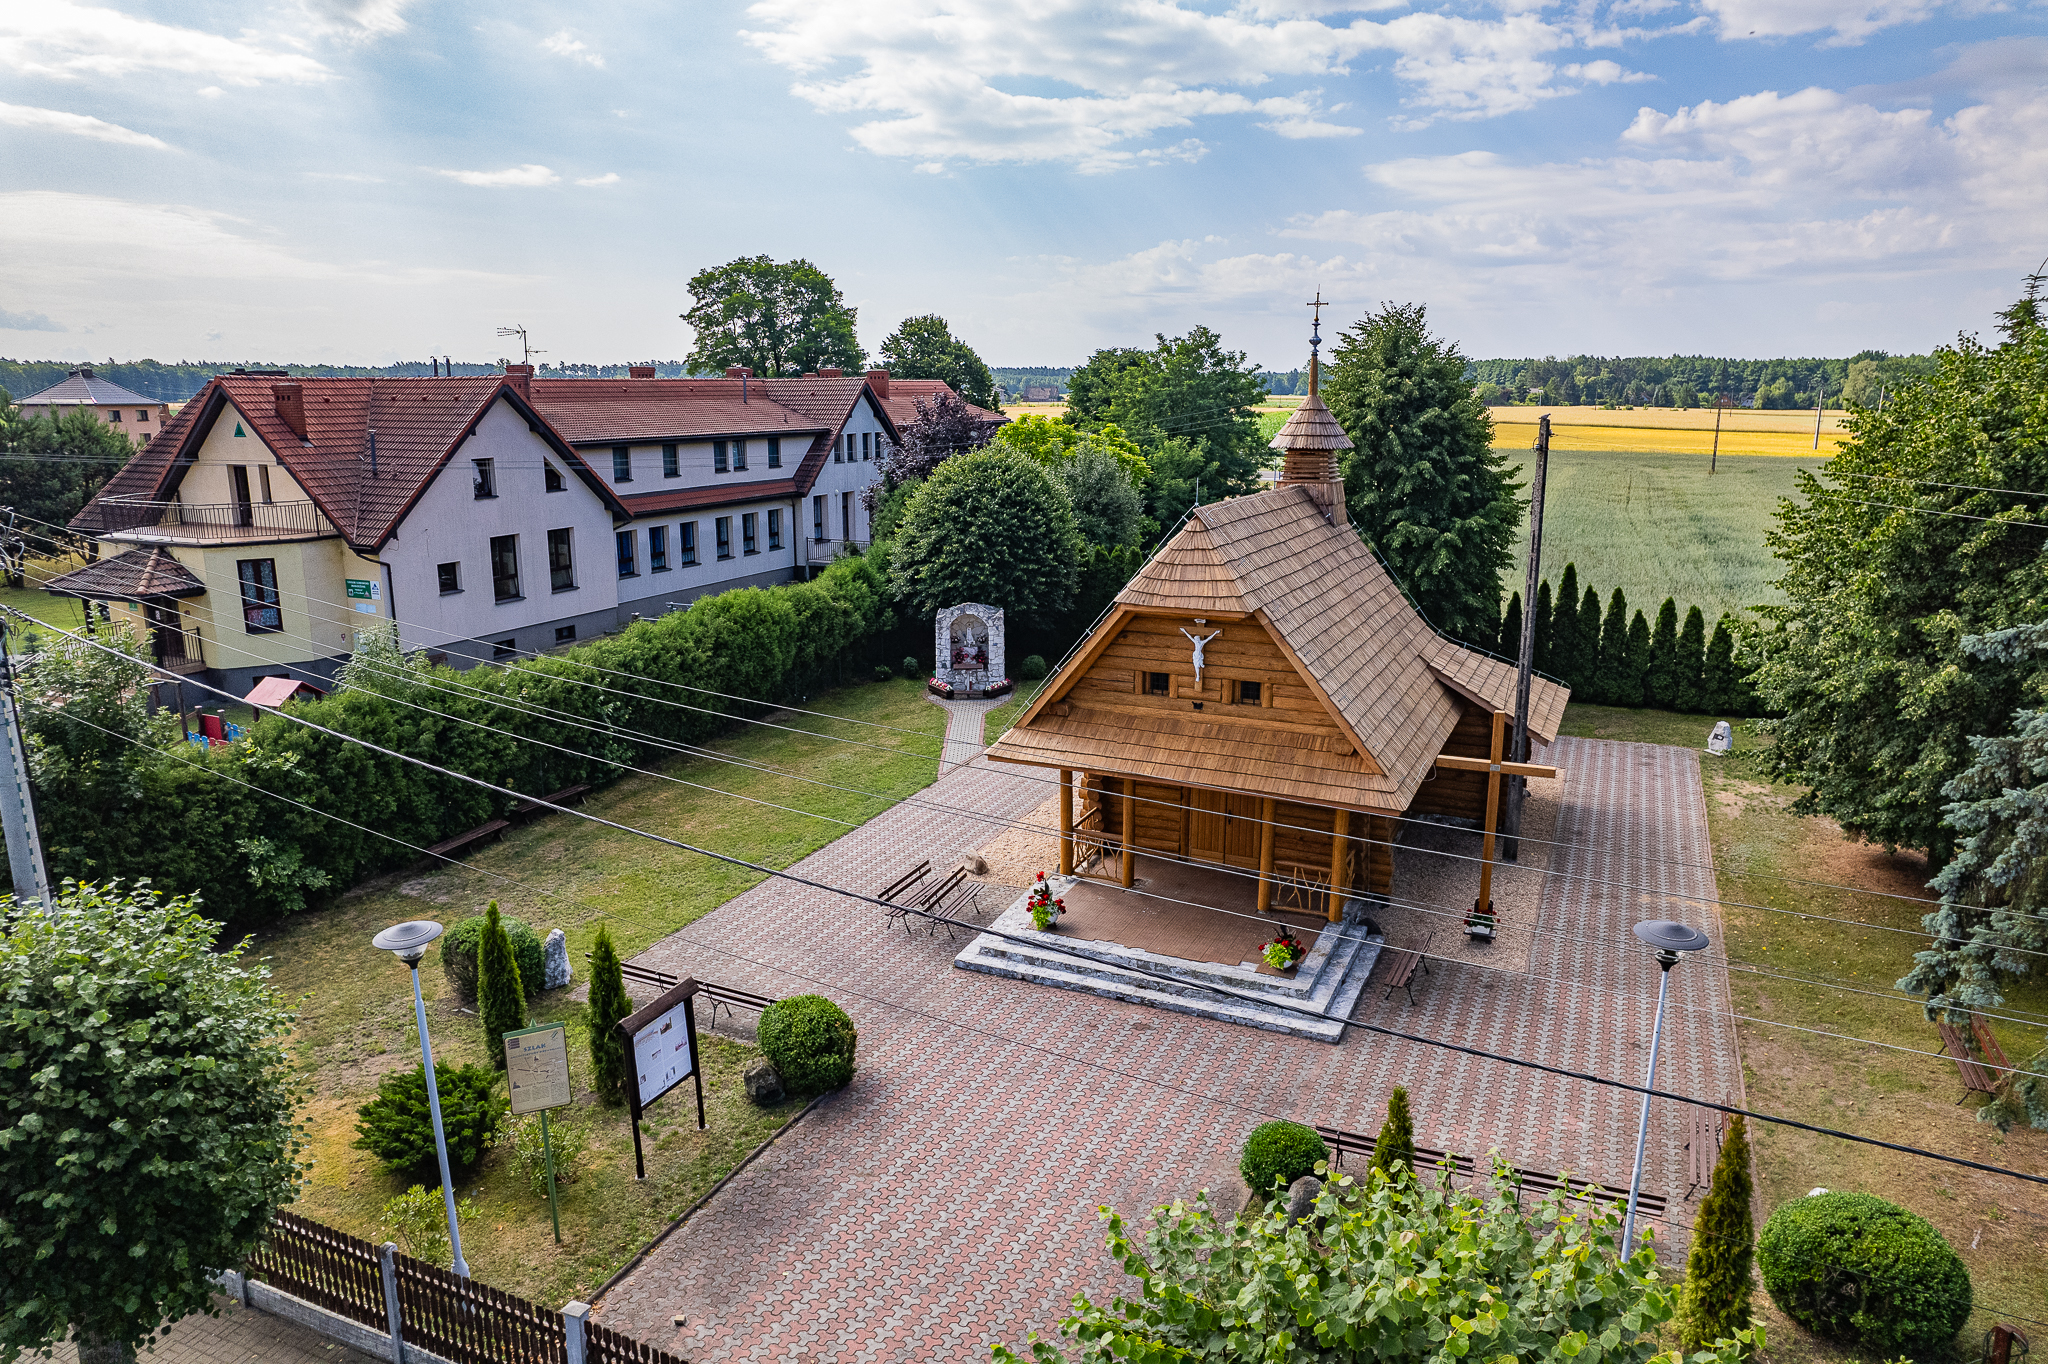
<point x="82" y="386"/>
<point x="135" y="576"/>
<point x="1392" y="681"/>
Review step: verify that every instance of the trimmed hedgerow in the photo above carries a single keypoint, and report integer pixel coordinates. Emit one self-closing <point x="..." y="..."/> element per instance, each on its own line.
<point x="810" y="1041"/>
<point x="1283" y="1151"/>
<point x="398" y="1128"/>
<point x="1864" y="1272"/>
<point x="459" y="952"/>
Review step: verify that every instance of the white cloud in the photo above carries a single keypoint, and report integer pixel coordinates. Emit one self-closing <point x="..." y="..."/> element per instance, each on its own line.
<point x="28" y="322"/>
<point x="64" y="39"/>
<point x="513" y="177"/>
<point x="357" y="19"/>
<point x="1848" y="21"/>
<point x="562" y="43"/>
<point x="210" y="92"/>
<point x="77" y="125"/>
<point x="600" y="181"/>
<point x="345" y="177"/>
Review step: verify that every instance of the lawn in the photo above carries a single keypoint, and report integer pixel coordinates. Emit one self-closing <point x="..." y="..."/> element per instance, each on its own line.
<point x="1657" y="525"/>
<point x="355" y="1020"/>
<point x="65" y="613"/>
<point x="1998" y="1225"/>
<point x="1002" y="717"/>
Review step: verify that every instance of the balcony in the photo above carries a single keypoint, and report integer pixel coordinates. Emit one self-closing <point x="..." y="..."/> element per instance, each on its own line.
<point x="187" y="522"/>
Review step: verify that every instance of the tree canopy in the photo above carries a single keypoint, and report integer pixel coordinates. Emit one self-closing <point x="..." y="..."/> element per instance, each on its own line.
<point x="993" y="527"/>
<point x="777" y="320"/>
<point x="943" y="427"/>
<point x="1051" y="440"/>
<point x="1108" y="509"/>
<point x="1423" y="483"/>
<point x="925" y="348"/>
<point x="69" y="458"/>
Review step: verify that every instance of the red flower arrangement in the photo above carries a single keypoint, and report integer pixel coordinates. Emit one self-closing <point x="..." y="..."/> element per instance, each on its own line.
<point x="1045" y="909"/>
<point x="1283" y="951"/>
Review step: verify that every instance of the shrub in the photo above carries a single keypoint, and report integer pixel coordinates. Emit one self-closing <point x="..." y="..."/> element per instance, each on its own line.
<point x="1864" y="1272"/>
<point x="608" y="1004"/>
<point x="1396" y="1143"/>
<point x="1714" y="1298"/>
<point x="500" y="993"/>
<point x="1031" y="669"/>
<point x="810" y="1042"/>
<point x="418" y="1220"/>
<point x="882" y="672"/>
<point x="911" y="667"/>
<point x="567" y="1138"/>
<point x="397" y="1128"/>
<point x="458" y="956"/>
<point x="1283" y="1151"/>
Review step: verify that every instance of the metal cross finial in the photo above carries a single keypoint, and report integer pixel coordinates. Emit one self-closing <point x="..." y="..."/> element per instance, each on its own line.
<point x="1315" y="342"/>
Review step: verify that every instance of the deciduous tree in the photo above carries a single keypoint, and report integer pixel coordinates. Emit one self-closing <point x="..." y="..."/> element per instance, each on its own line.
<point x="994" y="527"/>
<point x="1109" y="511"/>
<point x="925" y="348"/>
<point x="776" y="319"/>
<point x="943" y="427"/>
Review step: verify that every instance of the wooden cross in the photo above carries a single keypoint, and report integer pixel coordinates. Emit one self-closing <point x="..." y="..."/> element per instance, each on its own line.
<point x="1494" y="768"/>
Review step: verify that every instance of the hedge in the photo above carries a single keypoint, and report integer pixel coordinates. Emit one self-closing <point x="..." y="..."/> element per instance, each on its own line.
<point x="459" y="953"/>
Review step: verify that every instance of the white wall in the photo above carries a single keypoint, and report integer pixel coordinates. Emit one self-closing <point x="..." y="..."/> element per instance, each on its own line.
<point x="696" y="463"/>
<point x="651" y="589"/>
<point x="840" y="476"/>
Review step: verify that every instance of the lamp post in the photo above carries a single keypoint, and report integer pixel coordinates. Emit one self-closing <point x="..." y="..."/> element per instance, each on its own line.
<point x="1669" y="939"/>
<point x="408" y="942"/>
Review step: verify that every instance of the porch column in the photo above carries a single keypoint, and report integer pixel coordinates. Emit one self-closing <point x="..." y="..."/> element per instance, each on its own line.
<point x="1066" y="822"/>
<point x="1266" y="855"/>
<point x="1130" y="830"/>
<point x="1340" y="864"/>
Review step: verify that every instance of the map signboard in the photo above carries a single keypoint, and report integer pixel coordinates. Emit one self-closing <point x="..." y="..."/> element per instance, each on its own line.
<point x="661" y="1047"/>
<point x="537" y="1067"/>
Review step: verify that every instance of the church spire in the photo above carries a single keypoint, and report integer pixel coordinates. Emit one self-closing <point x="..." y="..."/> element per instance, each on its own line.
<point x="1312" y="438"/>
<point x="1315" y="344"/>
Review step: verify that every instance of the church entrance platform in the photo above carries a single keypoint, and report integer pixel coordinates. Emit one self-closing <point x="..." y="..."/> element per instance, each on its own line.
<point x="1187" y="937"/>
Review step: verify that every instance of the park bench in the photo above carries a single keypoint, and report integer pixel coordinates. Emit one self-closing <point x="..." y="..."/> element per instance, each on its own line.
<point x="449" y="847"/>
<point x="1402" y="965"/>
<point x="568" y="795"/>
<point x="720" y="996"/>
<point x="945" y="902"/>
<point x="1702" y="1149"/>
<point x="1988" y="1048"/>
<point x="1342" y="1143"/>
<point x="1978" y="1078"/>
<point x="895" y="892"/>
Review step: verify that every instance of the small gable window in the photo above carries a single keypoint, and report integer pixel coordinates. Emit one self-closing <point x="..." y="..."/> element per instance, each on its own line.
<point x="775" y="452"/>
<point x="553" y="477"/>
<point x="1248" y="693"/>
<point x="1158" y="684"/>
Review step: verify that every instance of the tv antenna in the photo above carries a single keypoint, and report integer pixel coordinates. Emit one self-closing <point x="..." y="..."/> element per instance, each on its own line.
<point x="526" y="347"/>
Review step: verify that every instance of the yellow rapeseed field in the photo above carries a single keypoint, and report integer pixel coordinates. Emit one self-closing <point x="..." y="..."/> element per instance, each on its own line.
<point x="1668" y="430"/>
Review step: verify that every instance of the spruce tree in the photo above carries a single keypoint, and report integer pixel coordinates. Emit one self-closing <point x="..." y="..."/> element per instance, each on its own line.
<point x="1714" y="1299"/>
<point x="1661" y="681"/>
<point x="500" y="996"/>
<point x="1692" y="658"/>
<point x="608" y="1004"/>
<point x="1635" y="679"/>
<point x="1396" y="1143"/>
<point x="1543" y="624"/>
<point x="1718" y="679"/>
<point x="1509" y="645"/>
<point x="1589" y="645"/>
<point x="1564" y="629"/>
<point x="1611" y="682"/>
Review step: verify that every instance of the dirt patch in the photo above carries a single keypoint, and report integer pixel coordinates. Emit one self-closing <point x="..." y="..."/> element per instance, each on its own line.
<point x="1017" y="855"/>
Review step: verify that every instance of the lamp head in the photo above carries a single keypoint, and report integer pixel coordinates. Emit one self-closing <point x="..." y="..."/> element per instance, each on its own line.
<point x="408" y="941"/>
<point x="1670" y="938"/>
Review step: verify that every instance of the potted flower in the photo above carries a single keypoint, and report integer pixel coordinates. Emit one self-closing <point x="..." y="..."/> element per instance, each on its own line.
<point x="1284" y="951"/>
<point x="939" y="688"/>
<point x="1045" y="909"/>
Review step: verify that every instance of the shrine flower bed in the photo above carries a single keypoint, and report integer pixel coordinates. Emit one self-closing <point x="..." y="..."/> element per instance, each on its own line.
<point x="942" y="690"/>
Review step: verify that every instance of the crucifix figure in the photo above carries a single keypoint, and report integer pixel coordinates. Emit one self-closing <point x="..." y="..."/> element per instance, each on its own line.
<point x="1199" y="641"/>
<point x="1480" y="922"/>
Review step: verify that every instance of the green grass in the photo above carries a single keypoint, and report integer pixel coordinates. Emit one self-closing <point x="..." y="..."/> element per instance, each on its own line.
<point x="1656" y="525"/>
<point x="1002" y="717"/>
<point x="65" y="613"/>
<point x="355" y="1020"/>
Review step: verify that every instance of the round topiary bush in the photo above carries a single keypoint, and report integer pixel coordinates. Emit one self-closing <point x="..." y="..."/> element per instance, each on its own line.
<point x="810" y="1041"/>
<point x="882" y="673"/>
<point x="397" y="1127"/>
<point x="911" y="667"/>
<point x="1031" y="669"/>
<point x="1280" y="1150"/>
<point x="458" y="956"/>
<point x="1864" y="1272"/>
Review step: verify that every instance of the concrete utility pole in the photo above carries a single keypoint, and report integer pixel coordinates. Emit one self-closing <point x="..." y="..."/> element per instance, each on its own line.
<point x="1819" y="393"/>
<point x="1511" y="826"/>
<point x="17" y="804"/>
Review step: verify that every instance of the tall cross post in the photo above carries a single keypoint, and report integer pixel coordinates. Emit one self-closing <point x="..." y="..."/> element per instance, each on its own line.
<point x="1479" y="924"/>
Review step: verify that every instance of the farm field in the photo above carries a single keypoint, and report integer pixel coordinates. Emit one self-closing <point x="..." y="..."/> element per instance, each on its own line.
<point x="1673" y="419"/>
<point x="1743" y="432"/>
<point x="1657" y="525"/>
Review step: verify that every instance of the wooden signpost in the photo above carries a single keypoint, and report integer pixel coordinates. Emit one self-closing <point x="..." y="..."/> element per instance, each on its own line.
<point x="661" y="1052"/>
<point x="1479" y="923"/>
<point x="537" y="1068"/>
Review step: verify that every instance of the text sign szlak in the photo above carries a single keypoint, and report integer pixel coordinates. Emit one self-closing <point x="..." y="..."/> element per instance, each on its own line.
<point x="537" y="1065"/>
<point x="663" y="1042"/>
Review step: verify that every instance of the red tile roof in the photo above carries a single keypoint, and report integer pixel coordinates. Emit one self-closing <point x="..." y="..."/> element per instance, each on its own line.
<point x="132" y="576"/>
<point x="904" y="393"/>
<point x="715" y="495"/>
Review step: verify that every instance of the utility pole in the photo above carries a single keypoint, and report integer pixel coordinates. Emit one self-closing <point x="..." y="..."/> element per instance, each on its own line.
<point x="1819" y="393"/>
<point x="1511" y="826"/>
<point x="17" y="805"/>
<point x="1720" y="403"/>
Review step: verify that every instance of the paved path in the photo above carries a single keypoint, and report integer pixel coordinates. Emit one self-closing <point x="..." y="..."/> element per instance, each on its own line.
<point x="237" y="1336"/>
<point x="948" y="1196"/>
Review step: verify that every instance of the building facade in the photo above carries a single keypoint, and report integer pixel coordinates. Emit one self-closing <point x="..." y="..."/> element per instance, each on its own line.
<point x="128" y="412"/>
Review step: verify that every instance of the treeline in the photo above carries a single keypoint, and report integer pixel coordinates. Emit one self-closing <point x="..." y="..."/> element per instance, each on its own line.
<point x="1610" y="658"/>
<point x="167" y="383"/>
<point x="1012" y="380"/>
<point x="1694" y="380"/>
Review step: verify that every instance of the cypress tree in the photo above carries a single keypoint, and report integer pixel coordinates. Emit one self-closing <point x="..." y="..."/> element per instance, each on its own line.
<point x="608" y="1004"/>
<point x="1714" y="1298"/>
<point x="1396" y="1143"/>
<point x="1635" y="679"/>
<point x="1611" y="681"/>
<point x="1509" y="645"/>
<point x="1543" y="625"/>
<point x="1661" y="683"/>
<point x="1692" y="658"/>
<point x="500" y="997"/>
<point x="1718" y="680"/>
<point x="1589" y="644"/>
<point x="1564" y="629"/>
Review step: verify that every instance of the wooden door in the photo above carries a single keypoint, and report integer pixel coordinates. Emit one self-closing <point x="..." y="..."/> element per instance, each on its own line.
<point x="1205" y="825"/>
<point x="1241" y="831"/>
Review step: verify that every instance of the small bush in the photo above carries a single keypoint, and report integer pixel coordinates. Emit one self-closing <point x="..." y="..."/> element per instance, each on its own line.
<point x="911" y="667"/>
<point x="1864" y="1272"/>
<point x="398" y="1129"/>
<point x="882" y="673"/>
<point x="458" y="956"/>
<point x="1031" y="669"/>
<point x="567" y="1137"/>
<point x="418" y="1220"/>
<point x="1283" y="1151"/>
<point x="810" y="1042"/>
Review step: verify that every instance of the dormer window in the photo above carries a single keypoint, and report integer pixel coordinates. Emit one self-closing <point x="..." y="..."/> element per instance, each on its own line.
<point x="486" y="478"/>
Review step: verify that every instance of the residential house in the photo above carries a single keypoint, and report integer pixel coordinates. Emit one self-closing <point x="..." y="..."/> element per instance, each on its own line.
<point x="137" y="417"/>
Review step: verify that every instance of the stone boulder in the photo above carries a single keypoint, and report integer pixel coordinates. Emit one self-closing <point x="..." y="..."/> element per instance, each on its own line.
<point x="764" y="1085"/>
<point x="554" y="955"/>
<point x="1301" y="1198"/>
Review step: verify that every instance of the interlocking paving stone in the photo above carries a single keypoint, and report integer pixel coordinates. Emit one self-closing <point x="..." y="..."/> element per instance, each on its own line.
<point x="238" y="1336"/>
<point x="948" y="1196"/>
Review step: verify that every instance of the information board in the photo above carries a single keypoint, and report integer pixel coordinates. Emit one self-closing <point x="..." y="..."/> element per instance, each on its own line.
<point x="364" y="589"/>
<point x="664" y="1051"/>
<point x="537" y="1066"/>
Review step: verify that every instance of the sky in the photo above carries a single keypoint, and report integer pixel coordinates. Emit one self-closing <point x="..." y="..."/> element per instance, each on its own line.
<point x="367" y="181"/>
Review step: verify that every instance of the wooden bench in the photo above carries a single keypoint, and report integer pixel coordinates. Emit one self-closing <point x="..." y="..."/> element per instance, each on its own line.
<point x="720" y="996"/>
<point x="897" y="894"/>
<point x="1988" y="1048"/>
<point x="1342" y="1143"/>
<point x="1978" y="1078"/>
<point x="1702" y="1148"/>
<point x="449" y="847"/>
<point x="568" y="795"/>
<point x="945" y="902"/>
<point x="1402" y="965"/>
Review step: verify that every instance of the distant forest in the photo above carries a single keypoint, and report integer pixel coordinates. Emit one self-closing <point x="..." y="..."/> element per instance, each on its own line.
<point x="175" y="383"/>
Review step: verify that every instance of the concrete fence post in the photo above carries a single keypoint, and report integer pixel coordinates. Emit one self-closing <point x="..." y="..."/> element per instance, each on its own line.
<point x="573" y="1317"/>
<point x="387" y="1260"/>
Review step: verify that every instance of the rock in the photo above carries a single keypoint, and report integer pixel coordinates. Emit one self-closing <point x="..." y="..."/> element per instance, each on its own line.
<point x="764" y="1086"/>
<point x="1301" y="1198"/>
<point x="974" y="864"/>
<point x="554" y="954"/>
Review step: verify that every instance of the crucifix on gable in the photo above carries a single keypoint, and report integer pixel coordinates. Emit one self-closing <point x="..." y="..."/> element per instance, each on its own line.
<point x="1200" y="642"/>
<point x="1479" y="924"/>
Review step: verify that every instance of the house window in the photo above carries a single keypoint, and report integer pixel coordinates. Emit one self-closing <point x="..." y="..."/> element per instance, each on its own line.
<point x="505" y="567"/>
<point x="718" y="465"/>
<point x="1158" y="684"/>
<point x="622" y="464"/>
<point x="838" y="452"/>
<point x="114" y="415"/>
<point x="260" y="614"/>
<point x="552" y="477"/>
<point x="263" y="480"/>
<point x="628" y="547"/>
<point x="865" y="452"/>
<point x="450" y="576"/>
<point x="144" y="417"/>
<point x="657" y="549"/>
<point x="725" y="537"/>
<point x="846" y="516"/>
<point x="775" y="528"/>
<point x="504" y="648"/>
<point x="670" y="468"/>
<point x="565" y="634"/>
<point x="775" y="452"/>
<point x="739" y="455"/>
<point x="686" y="543"/>
<point x="561" y="560"/>
<point x="486" y="478"/>
<point x="1248" y="693"/>
<point x="748" y="543"/>
<point x="818" y="518"/>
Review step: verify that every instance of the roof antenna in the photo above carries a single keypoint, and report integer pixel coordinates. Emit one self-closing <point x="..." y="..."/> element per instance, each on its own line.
<point x="525" y="346"/>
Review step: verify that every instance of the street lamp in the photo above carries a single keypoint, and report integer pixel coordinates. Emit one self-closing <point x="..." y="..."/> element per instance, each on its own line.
<point x="1670" y="939"/>
<point x="408" y="942"/>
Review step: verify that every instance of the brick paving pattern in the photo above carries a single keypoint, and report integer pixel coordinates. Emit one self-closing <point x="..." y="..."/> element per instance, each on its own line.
<point x="948" y="1196"/>
<point x="237" y="1336"/>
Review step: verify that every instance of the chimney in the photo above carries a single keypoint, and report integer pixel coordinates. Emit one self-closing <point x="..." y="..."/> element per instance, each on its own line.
<point x="878" y="380"/>
<point x="738" y="372"/>
<point x="291" y="407"/>
<point x="521" y="379"/>
<point x="640" y="371"/>
<point x="81" y="371"/>
<point x="830" y="373"/>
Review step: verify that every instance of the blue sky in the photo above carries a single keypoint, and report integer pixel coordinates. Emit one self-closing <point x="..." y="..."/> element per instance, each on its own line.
<point x="373" y="180"/>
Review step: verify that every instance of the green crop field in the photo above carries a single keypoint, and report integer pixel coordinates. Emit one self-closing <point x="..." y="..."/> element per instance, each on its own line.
<point x="1656" y="525"/>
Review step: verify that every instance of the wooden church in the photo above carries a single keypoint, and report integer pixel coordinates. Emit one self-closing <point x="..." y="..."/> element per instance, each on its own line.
<point x="1262" y="695"/>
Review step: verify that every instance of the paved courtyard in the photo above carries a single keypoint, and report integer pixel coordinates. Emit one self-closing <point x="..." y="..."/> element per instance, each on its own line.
<point x="948" y="1197"/>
